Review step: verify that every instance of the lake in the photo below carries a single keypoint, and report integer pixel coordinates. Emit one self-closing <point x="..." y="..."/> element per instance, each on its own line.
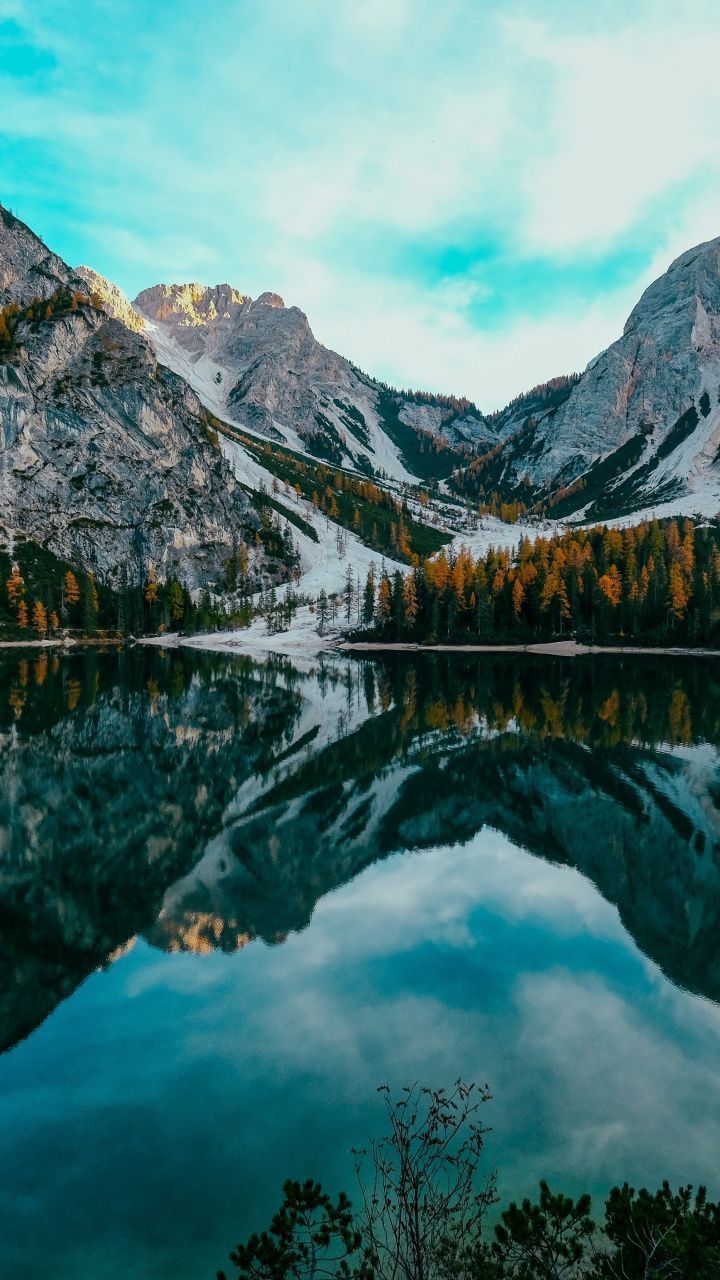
<point x="236" y="898"/>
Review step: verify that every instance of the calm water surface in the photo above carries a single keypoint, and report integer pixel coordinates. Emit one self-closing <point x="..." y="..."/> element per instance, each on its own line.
<point x="235" y="899"/>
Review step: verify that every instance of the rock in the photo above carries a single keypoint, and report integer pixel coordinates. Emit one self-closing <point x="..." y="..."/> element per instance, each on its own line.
<point x="106" y="456"/>
<point x="643" y="422"/>
<point x="112" y="299"/>
<point x="277" y="379"/>
<point x="28" y="269"/>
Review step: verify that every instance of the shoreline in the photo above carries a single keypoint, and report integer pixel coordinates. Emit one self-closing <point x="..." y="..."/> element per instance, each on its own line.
<point x="35" y="644"/>
<point x="552" y="648"/>
<point x="60" y="644"/>
<point x="234" y="642"/>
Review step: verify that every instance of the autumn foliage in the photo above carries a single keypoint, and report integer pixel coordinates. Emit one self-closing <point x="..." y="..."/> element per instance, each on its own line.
<point x="658" y="582"/>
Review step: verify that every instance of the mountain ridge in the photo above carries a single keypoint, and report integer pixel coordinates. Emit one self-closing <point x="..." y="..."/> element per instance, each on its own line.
<point x="110" y="453"/>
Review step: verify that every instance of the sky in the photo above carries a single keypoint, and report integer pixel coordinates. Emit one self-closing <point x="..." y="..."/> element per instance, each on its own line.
<point x="467" y="197"/>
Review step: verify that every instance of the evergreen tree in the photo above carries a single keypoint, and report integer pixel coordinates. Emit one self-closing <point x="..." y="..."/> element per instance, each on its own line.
<point x="323" y="611"/>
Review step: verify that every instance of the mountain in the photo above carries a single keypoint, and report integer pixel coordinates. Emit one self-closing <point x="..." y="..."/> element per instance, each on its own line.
<point x="107" y="457"/>
<point x="135" y="433"/>
<point x="28" y="269"/>
<point x="256" y="363"/>
<point x="641" y="426"/>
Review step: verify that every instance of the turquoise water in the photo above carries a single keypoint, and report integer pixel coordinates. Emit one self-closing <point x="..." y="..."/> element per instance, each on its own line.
<point x="234" y="900"/>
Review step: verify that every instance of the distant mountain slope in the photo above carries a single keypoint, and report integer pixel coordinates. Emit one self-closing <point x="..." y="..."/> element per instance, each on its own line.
<point x="106" y="456"/>
<point x="261" y="366"/>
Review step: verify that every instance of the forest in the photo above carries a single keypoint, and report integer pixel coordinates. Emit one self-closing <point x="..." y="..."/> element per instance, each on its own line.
<point x="658" y="582"/>
<point x="42" y="596"/>
<point x="379" y="519"/>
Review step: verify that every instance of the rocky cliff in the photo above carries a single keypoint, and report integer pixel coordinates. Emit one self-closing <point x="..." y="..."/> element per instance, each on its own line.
<point x="642" y="424"/>
<point x="28" y="269"/>
<point x="106" y="456"/>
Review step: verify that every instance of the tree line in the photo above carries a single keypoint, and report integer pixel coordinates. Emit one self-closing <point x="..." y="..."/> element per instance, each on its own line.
<point x="657" y="582"/>
<point x="42" y="596"/>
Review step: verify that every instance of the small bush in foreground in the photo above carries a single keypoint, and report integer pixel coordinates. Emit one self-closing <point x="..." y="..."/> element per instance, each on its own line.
<point x="423" y="1207"/>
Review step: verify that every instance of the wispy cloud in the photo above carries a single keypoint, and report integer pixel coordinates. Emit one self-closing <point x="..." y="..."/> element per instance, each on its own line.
<point x="340" y="153"/>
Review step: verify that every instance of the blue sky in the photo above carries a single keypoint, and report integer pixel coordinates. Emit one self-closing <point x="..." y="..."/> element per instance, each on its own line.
<point x="467" y="196"/>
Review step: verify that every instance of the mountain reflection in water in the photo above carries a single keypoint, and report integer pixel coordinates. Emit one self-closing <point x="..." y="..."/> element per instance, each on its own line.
<point x="420" y="840"/>
<point x="204" y="801"/>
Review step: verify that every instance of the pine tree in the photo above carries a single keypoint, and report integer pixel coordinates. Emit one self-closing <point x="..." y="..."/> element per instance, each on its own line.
<point x="176" y="603"/>
<point x="151" y="586"/>
<point x="90" y="605"/>
<point x="384" y="606"/>
<point x="39" y="618"/>
<point x="369" y="597"/>
<point x="410" y="600"/>
<point x="71" y="588"/>
<point x="322" y="610"/>
<point x="349" y="594"/>
<point x="15" y="585"/>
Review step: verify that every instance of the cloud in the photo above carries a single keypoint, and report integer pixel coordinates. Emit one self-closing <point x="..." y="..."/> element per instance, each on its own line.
<point x="414" y="336"/>
<point x="632" y="115"/>
<point x="338" y="153"/>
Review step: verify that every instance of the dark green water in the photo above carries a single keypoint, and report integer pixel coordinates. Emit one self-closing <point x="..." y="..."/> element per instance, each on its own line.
<point x="235" y="899"/>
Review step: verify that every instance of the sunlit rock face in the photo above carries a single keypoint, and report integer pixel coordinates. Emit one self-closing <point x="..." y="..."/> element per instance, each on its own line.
<point x="105" y="455"/>
<point x="113" y="300"/>
<point x="186" y="308"/>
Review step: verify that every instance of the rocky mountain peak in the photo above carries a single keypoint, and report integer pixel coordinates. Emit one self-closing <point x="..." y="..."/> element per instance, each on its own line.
<point x="112" y="299"/>
<point x="270" y="300"/>
<point x="694" y="275"/>
<point x="190" y="305"/>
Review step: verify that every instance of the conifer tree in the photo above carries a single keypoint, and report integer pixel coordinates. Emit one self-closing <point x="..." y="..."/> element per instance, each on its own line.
<point x="39" y="618"/>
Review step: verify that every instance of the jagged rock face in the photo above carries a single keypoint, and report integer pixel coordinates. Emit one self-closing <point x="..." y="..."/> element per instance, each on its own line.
<point x="27" y="267"/>
<point x="106" y="459"/>
<point x="112" y="299"/>
<point x="267" y="371"/>
<point x="652" y="396"/>
<point x="105" y="455"/>
<point x="193" y="312"/>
